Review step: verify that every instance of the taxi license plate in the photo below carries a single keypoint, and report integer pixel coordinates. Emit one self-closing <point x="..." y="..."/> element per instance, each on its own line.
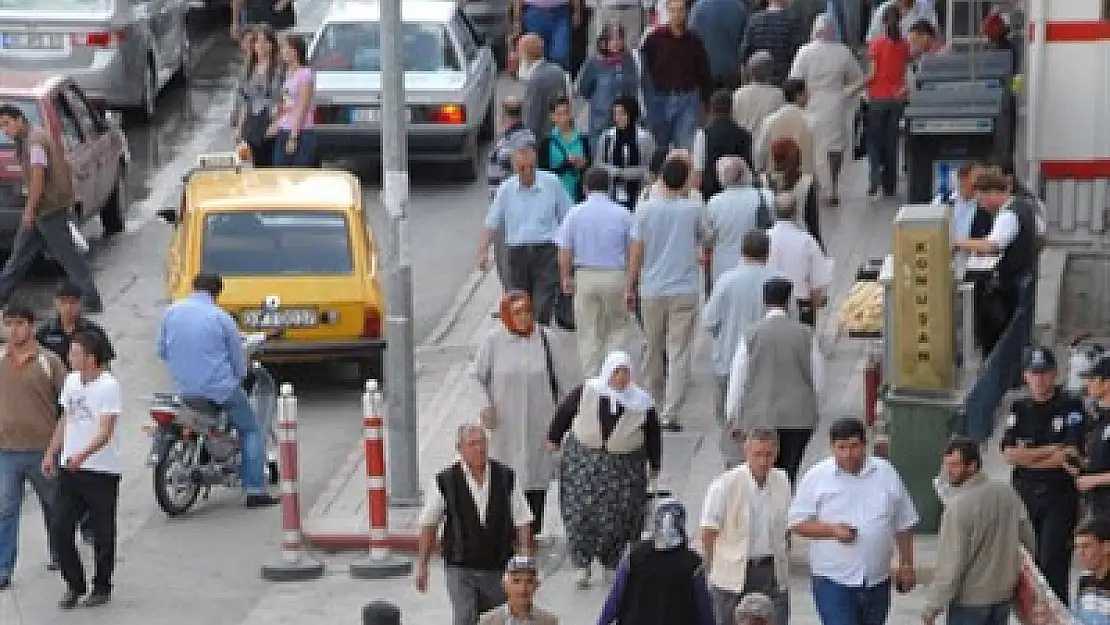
<point x="32" y="41"/>
<point x="372" y="115"/>
<point x="292" y="318"/>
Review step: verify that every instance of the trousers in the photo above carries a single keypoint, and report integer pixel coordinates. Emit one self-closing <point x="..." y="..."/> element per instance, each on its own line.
<point x="97" y="495"/>
<point x="602" y="320"/>
<point x="472" y="592"/>
<point x="792" y="449"/>
<point x="669" y="324"/>
<point x="534" y="269"/>
<point x="49" y="234"/>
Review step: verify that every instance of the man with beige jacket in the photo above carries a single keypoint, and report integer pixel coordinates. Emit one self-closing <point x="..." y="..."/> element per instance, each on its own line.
<point x="743" y="530"/>
<point x="978" y="560"/>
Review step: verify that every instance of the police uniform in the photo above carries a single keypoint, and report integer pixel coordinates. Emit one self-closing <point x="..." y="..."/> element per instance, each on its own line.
<point x="1098" y="444"/>
<point x="1050" y="495"/>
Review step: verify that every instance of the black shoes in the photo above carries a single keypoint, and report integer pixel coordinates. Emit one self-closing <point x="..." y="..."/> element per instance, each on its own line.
<point x="262" y="501"/>
<point x="97" y="598"/>
<point x="69" y="600"/>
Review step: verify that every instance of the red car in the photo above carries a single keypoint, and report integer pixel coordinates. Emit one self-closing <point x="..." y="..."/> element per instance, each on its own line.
<point x="95" y="146"/>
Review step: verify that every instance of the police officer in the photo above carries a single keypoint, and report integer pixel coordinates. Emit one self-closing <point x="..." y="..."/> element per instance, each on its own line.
<point x="1094" y="479"/>
<point x="1044" y="432"/>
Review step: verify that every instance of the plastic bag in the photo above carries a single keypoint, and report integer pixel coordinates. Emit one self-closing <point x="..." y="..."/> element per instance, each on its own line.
<point x="79" y="240"/>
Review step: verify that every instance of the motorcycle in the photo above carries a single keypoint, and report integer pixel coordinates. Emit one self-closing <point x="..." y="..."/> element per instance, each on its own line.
<point x="194" y="446"/>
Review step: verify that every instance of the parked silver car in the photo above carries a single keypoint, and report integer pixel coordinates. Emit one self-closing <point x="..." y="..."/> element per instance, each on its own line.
<point x="121" y="52"/>
<point x="449" y="83"/>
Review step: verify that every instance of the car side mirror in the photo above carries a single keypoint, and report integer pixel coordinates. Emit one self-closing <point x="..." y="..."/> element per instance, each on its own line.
<point x="168" y="215"/>
<point x="113" y="117"/>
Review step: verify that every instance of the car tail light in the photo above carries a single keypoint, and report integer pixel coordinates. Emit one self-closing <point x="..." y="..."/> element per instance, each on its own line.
<point x="448" y="114"/>
<point x="372" y="324"/>
<point x="164" y="417"/>
<point x="99" y="39"/>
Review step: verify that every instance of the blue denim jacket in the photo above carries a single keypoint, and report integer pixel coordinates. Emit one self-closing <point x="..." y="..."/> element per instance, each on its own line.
<point x="601" y="83"/>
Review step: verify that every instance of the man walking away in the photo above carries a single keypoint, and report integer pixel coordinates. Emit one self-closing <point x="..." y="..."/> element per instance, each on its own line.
<point x="1092" y="599"/>
<point x="856" y="511"/>
<point x="721" y="24"/>
<point x="551" y="21"/>
<point x="797" y="255"/>
<point x="777" y="30"/>
<point x="44" y="225"/>
<point x="30" y="379"/>
<point x="663" y="269"/>
<point x="529" y="207"/>
<point x="484" y="516"/>
<point x="593" y="260"/>
<point x="544" y="84"/>
<point x="677" y="79"/>
<point x="203" y="349"/>
<point x="776" y="379"/>
<point x="759" y="97"/>
<point x="89" y="473"/>
<point x="978" y="560"/>
<point x="743" y="531"/>
<point x="790" y="121"/>
<point x="721" y="137"/>
<point x="734" y="307"/>
<point x="1042" y="437"/>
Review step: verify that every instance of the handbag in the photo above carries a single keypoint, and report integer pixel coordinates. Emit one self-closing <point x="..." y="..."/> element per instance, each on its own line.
<point x="254" y="128"/>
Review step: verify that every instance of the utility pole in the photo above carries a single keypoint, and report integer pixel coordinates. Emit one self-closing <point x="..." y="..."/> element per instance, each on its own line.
<point x="403" y="438"/>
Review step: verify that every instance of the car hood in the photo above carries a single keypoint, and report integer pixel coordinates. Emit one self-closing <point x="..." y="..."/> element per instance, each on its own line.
<point x="363" y="82"/>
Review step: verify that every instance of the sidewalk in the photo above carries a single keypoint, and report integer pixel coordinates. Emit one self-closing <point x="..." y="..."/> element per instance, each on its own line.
<point x="855" y="232"/>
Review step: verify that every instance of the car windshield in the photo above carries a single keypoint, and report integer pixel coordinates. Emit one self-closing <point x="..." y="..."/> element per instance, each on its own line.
<point x="56" y="6"/>
<point x="30" y="109"/>
<point x="356" y="47"/>
<point x="271" y="243"/>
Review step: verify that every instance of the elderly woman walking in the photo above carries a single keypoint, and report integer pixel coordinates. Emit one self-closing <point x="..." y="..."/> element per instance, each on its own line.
<point x="608" y="430"/>
<point x="831" y="74"/>
<point x="734" y="211"/>
<point x="523" y="371"/>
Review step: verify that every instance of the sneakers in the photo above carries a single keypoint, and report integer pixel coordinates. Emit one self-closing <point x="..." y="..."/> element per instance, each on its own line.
<point x="582" y="578"/>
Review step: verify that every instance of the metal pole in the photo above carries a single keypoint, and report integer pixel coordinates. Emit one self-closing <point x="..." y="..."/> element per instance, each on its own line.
<point x="403" y="432"/>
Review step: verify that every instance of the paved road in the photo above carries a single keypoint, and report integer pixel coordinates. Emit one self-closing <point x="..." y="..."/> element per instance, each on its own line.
<point x="205" y="566"/>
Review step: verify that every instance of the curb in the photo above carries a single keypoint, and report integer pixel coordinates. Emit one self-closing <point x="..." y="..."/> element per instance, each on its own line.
<point x="451" y="317"/>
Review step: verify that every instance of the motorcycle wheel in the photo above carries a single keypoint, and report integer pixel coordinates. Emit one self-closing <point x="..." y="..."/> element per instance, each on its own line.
<point x="174" y="497"/>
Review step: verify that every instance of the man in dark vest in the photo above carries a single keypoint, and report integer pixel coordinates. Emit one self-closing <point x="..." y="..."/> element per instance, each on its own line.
<point x="661" y="580"/>
<point x="776" y="378"/>
<point x="723" y="137"/>
<point x="484" y="516"/>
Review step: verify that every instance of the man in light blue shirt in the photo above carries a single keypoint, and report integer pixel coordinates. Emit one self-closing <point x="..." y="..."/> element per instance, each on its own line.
<point x="735" y="305"/>
<point x="667" y="233"/>
<point x="961" y="201"/>
<point x="593" y="258"/>
<point x="203" y="349"/>
<point x="528" y="208"/>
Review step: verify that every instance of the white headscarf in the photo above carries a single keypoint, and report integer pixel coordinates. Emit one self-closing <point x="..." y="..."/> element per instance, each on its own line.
<point x="631" y="397"/>
<point x="823" y="28"/>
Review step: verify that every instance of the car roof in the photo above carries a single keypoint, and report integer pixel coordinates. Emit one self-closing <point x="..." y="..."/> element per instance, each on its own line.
<point x="272" y="189"/>
<point x="27" y="84"/>
<point x="411" y="11"/>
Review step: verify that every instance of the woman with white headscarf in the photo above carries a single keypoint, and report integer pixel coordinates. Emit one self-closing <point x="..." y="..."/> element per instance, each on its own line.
<point x="608" y="430"/>
<point x="832" y="76"/>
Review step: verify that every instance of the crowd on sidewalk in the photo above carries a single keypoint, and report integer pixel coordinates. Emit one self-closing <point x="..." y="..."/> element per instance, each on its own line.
<point x="653" y="220"/>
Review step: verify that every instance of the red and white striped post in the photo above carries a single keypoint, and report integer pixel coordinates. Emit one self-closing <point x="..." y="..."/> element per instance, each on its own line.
<point x="380" y="563"/>
<point x="294" y="565"/>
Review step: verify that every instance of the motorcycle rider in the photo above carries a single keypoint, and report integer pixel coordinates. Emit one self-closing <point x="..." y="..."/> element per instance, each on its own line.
<point x="203" y="349"/>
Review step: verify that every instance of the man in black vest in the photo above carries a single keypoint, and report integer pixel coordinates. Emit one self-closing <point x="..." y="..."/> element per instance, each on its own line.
<point x="722" y="137"/>
<point x="484" y="515"/>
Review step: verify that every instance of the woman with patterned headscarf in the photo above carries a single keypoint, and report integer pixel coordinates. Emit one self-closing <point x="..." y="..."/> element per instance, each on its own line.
<point x="607" y="76"/>
<point x="608" y="430"/>
<point x="832" y="76"/>
<point x="523" y="371"/>
<point x="661" y="580"/>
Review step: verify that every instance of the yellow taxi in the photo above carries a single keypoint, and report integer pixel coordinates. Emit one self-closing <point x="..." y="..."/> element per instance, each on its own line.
<point x="296" y="254"/>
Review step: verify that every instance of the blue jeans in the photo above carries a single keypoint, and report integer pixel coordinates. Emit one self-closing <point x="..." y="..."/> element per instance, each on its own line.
<point x="997" y="614"/>
<point x="851" y="605"/>
<point x="673" y="118"/>
<point x="882" y="143"/>
<point x="303" y="156"/>
<point x="253" y="443"/>
<point x="17" y="468"/>
<point x="553" y="26"/>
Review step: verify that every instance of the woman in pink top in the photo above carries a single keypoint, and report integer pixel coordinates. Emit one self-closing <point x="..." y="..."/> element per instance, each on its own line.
<point x="888" y="56"/>
<point x="294" y="139"/>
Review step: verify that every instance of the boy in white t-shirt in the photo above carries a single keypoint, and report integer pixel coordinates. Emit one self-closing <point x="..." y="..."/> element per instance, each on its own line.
<point x="89" y="472"/>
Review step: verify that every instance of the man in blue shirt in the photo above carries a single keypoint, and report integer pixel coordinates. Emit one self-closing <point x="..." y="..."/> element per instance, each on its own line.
<point x="201" y="344"/>
<point x="528" y="208"/>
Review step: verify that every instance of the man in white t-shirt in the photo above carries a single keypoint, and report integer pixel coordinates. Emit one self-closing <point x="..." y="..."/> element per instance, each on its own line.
<point x="88" y="474"/>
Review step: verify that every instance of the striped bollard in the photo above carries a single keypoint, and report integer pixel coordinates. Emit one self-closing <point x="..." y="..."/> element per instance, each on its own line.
<point x="379" y="563"/>
<point x="294" y="565"/>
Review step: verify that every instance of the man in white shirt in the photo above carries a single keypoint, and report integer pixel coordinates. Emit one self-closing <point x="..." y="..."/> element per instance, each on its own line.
<point x="856" y="511"/>
<point x="89" y="473"/>
<point x="743" y="530"/>
<point x="797" y="255"/>
<point x="485" y="516"/>
<point x="912" y="12"/>
<point x="776" y="379"/>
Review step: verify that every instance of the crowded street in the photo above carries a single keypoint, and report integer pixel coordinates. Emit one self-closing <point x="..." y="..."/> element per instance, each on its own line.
<point x="724" y="312"/>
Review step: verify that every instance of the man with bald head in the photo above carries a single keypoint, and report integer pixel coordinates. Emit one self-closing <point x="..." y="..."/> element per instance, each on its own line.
<point x="544" y="84"/>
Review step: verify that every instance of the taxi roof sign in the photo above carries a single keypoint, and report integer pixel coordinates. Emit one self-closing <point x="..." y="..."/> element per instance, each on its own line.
<point x="219" y="160"/>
